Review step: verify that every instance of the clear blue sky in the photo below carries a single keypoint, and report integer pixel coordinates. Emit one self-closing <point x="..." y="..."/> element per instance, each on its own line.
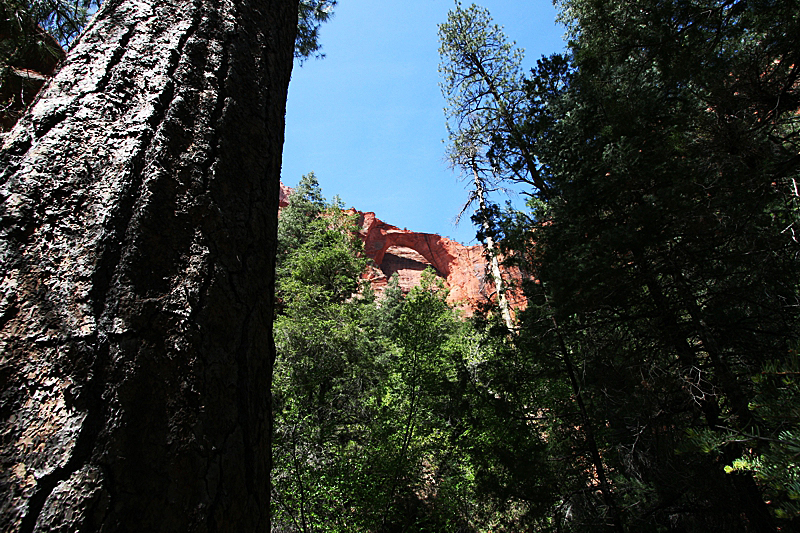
<point x="368" y="119"/>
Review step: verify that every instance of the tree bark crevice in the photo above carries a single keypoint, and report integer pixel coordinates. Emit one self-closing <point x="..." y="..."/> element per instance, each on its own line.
<point x="137" y="234"/>
<point x="80" y="455"/>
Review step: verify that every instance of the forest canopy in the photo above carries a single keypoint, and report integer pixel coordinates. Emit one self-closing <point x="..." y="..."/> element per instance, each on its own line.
<point x="651" y="383"/>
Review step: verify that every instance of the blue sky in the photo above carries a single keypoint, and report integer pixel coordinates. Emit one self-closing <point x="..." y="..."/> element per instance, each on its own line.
<point x="368" y="119"/>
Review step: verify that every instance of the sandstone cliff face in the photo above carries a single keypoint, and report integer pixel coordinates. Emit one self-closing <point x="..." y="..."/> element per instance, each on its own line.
<point x="408" y="253"/>
<point x="284" y="197"/>
<point x="464" y="269"/>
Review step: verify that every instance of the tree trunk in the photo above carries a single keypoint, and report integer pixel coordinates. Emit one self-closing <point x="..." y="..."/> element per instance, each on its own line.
<point x="491" y="249"/>
<point x="137" y="238"/>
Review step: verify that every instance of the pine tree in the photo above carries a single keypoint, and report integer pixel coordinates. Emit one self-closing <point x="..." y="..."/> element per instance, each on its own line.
<point x="139" y="218"/>
<point x="666" y="250"/>
<point x="482" y="86"/>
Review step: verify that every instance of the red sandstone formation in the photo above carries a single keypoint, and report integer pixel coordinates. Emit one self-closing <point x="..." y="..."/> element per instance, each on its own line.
<point x="283" y="201"/>
<point x="464" y="268"/>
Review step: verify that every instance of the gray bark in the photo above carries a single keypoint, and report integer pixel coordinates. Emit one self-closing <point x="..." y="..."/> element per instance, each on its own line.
<point x="491" y="249"/>
<point x="137" y="236"/>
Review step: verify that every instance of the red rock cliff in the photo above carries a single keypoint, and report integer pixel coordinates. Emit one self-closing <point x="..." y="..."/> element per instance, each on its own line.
<point x="464" y="269"/>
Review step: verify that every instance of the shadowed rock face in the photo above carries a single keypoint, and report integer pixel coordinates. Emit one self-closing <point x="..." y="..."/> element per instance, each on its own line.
<point x="465" y="269"/>
<point x="407" y="263"/>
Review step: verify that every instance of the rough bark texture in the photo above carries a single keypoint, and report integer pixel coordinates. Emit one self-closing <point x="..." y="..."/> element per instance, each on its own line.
<point x="139" y="211"/>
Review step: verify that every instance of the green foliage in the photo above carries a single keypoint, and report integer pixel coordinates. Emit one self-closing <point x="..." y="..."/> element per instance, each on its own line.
<point x="325" y="266"/>
<point x="772" y="448"/>
<point x="311" y="15"/>
<point x="774" y="458"/>
<point x="61" y="19"/>
<point x="382" y="422"/>
<point x="296" y="220"/>
<point x="481" y="74"/>
<point x="667" y="259"/>
<point x="327" y="366"/>
<point x="482" y="84"/>
<point x="659" y="342"/>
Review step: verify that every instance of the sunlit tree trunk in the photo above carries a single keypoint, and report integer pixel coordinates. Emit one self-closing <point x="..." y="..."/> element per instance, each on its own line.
<point x="137" y="236"/>
<point x="491" y="249"/>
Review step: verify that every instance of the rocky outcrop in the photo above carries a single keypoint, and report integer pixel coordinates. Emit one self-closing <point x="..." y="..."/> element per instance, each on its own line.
<point x="283" y="201"/>
<point x="465" y="269"/>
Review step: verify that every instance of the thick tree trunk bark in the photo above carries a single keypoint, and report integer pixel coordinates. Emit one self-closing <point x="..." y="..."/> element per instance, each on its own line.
<point x="137" y="235"/>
